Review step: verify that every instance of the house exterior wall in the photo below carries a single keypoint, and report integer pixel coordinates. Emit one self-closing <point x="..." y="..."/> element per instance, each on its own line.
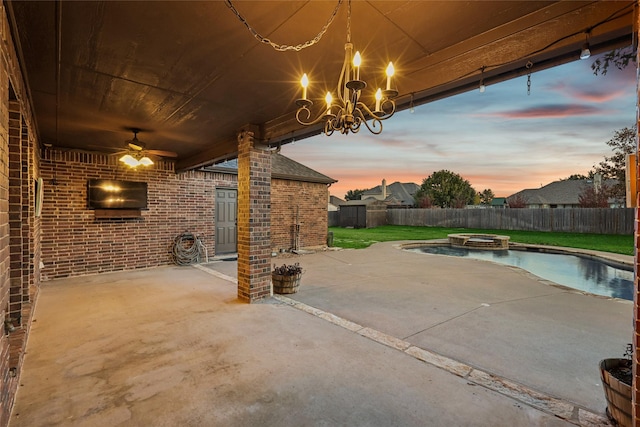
<point x="8" y="383"/>
<point x="19" y="226"/>
<point x="75" y="242"/>
<point x="303" y="203"/>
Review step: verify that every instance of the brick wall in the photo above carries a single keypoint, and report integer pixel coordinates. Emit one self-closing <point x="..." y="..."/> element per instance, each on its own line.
<point x="19" y="227"/>
<point x="302" y="203"/>
<point x="75" y="242"/>
<point x="7" y="382"/>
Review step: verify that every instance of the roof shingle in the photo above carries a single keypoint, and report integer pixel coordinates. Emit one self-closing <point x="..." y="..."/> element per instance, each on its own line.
<point x="282" y="167"/>
<point x="564" y="192"/>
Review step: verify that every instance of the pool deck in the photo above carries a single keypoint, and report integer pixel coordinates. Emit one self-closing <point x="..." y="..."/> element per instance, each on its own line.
<point x="378" y="337"/>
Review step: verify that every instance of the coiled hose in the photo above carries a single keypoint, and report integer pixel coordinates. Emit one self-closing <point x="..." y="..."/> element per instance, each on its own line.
<point x="187" y="249"/>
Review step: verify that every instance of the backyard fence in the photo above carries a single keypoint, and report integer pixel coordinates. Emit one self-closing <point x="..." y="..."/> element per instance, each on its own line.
<point x="334" y="218"/>
<point x="578" y="220"/>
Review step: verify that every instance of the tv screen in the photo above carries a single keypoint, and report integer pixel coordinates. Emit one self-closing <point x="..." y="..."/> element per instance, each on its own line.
<point x="114" y="194"/>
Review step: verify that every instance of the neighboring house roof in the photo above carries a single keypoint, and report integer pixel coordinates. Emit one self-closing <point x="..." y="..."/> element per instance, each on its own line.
<point x="498" y="201"/>
<point x="564" y="192"/>
<point x="282" y="167"/>
<point x="398" y="192"/>
<point x="337" y="201"/>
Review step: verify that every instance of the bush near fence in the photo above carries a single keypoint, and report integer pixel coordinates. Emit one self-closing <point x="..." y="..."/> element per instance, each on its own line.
<point x="577" y="220"/>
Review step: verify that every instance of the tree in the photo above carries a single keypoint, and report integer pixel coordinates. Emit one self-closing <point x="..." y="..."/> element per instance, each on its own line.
<point x="424" y="202"/>
<point x="614" y="167"/>
<point x="486" y="196"/>
<point x="517" y="201"/>
<point x="578" y="177"/>
<point x="590" y="197"/>
<point x="354" y="194"/>
<point x="619" y="58"/>
<point x="446" y="190"/>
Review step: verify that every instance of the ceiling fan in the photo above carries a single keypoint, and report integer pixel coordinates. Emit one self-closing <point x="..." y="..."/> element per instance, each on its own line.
<point x="136" y="153"/>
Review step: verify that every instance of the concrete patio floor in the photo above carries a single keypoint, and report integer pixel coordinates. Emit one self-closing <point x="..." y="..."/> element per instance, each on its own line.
<point x="375" y="337"/>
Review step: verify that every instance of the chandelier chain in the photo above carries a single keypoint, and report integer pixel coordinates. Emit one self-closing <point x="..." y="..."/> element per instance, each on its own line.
<point x="348" y="21"/>
<point x="529" y="65"/>
<point x="284" y="47"/>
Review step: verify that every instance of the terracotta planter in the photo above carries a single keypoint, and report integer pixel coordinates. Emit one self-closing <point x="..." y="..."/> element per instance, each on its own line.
<point x="617" y="393"/>
<point x="285" y="284"/>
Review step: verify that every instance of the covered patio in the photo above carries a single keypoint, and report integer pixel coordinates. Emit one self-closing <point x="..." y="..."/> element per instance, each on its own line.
<point x="199" y="83"/>
<point x="431" y="340"/>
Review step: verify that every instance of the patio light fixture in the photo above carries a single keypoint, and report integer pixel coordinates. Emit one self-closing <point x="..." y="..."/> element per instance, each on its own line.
<point x="585" y="53"/>
<point x="347" y="113"/>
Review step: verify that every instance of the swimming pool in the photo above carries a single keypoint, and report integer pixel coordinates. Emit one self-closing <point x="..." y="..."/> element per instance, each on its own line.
<point x="586" y="274"/>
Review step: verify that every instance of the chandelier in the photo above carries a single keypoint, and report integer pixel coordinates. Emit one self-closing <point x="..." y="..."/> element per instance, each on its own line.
<point x="348" y="112"/>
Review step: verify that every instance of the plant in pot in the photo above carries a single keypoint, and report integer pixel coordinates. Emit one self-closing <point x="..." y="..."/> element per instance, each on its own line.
<point x="286" y="278"/>
<point x="617" y="375"/>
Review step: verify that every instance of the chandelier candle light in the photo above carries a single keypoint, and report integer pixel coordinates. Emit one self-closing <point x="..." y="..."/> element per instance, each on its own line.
<point x="349" y="112"/>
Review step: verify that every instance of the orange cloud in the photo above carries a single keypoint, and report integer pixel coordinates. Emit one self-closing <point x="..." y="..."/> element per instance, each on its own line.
<point x="504" y="183"/>
<point x="597" y="95"/>
<point x="549" y="112"/>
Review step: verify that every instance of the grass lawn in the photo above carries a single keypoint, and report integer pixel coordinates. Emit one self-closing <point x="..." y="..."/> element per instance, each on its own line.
<point x="364" y="237"/>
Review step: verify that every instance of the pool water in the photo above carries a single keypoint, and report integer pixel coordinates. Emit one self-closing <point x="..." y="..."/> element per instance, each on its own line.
<point x="576" y="272"/>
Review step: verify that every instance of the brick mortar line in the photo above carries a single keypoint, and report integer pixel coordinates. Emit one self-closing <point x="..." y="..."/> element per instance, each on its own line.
<point x="540" y="401"/>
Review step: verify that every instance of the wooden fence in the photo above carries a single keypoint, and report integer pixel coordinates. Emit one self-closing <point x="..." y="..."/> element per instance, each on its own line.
<point x="334" y="218"/>
<point x="578" y="220"/>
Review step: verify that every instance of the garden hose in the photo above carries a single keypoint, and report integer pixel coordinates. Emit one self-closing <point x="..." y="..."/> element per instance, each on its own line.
<point x="186" y="249"/>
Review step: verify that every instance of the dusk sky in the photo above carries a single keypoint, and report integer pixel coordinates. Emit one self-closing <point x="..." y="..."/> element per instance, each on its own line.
<point x="501" y="139"/>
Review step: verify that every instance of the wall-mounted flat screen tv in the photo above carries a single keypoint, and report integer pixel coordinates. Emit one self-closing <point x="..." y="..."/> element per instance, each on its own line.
<point x="114" y="194"/>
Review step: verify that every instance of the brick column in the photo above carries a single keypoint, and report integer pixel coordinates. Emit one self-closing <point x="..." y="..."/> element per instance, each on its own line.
<point x="254" y="220"/>
<point x="635" y="395"/>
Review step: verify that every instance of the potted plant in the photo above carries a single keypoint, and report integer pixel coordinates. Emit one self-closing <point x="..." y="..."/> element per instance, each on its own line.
<point x="286" y="278"/>
<point x="616" y="375"/>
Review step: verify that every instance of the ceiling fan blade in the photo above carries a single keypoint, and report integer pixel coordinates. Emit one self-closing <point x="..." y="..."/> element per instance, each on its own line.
<point x="103" y="149"/>
<point x="162" y="153"/>
<point x="134" y="144"/>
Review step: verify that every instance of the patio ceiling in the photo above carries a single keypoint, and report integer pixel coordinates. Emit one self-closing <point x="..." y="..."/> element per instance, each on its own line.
<point x="190" y="74"/>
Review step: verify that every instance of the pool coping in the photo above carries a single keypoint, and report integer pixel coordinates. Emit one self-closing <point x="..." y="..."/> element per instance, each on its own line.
<point x="623" y="262"/>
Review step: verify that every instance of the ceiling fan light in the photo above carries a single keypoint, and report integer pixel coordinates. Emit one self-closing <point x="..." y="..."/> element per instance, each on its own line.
<point x="145" y="161"/>
<point x="129" y="160"/>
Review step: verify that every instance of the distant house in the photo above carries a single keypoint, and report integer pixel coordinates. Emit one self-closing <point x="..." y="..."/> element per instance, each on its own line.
<point x="335" y="203"/>
<point x="499" y="202"/>
<point x="559" y="194"/>
<point x="396" y="194"/>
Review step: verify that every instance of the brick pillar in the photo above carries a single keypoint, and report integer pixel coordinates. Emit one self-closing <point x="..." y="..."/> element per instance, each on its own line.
<point x="635" y="395"/>
<point x="254" y="220"/>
